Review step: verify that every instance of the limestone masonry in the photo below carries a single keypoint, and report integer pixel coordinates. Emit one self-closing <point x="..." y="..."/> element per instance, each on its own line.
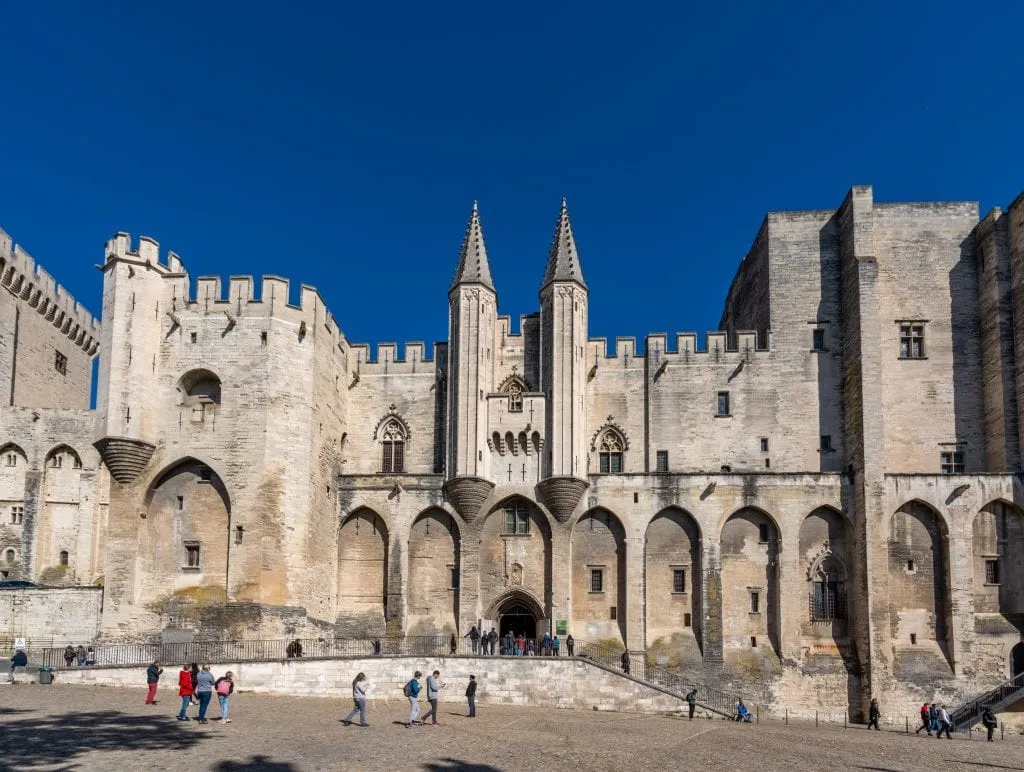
<point x="819" y="504"/>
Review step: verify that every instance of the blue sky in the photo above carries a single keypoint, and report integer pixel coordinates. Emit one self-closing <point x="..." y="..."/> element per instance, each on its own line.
<point x="342" y="145"/>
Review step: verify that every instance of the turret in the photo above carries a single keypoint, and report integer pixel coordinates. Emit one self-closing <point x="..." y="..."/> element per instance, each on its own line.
<point x="134" y="315"/>
<point x="563" y="312"/>
<point x="472" y="317"/>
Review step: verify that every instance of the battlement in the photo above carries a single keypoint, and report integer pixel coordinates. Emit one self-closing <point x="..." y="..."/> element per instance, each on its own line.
<point x="717" y="348"/>
<point x="505" y="324"/>
<point x="273" y="299"/>
<point x="26" y="279"/>
<point x="389" y="360"/>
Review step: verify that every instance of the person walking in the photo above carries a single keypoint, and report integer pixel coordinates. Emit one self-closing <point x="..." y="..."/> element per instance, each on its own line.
<point x="412" y="691"/>
<point x="471" y="697"/>
<point x="555" y="645"/>
<point x="152" y="681"/>
<point x="625" y="662"/>
<point x="224" y="687"/>
<point x="185" y="691"/>
<point x="569" y="643"/>
<point x="988" y="720"/>
<point x="194" y="673"/>
<point x="434" y="687"/>
<point x="359" y="686"/>
<point x="926" y="720"/>
<point x="873" y="715"/>
<point x="945" y="725"/>
<point x="933" y="718"/>
<point x="691" y="701"/>
<point x="474" y="639"/>
<point x="204" y="690"/>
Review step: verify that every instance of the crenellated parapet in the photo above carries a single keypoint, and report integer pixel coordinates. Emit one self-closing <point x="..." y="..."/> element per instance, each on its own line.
<point x="24" y="278"/>
<point x="270" y="296"/>
<point x="717" y="349"/>
<point x="390" y="359"/>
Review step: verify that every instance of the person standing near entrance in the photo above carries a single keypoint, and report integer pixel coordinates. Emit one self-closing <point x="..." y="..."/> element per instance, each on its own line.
<point x="569" y="643"/>
<point x="153" y="680"/>
<point x="474" y="638"/>
<point x="493" y="638"/>
<point x="555" y="644"/>
<point x="471" y="698"/>
<point x="691" y="701"/>
<point x="873" y="715"/>
<point x="434" y="687"/>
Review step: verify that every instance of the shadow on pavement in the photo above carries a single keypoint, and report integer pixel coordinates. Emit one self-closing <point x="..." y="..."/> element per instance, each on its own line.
<point x="255" y="763"/>
<point x="454" y="765"/>
<point x="37" y="742"/>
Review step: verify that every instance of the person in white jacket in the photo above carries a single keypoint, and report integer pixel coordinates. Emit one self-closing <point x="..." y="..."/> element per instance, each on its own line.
<point x="359" y="687"/>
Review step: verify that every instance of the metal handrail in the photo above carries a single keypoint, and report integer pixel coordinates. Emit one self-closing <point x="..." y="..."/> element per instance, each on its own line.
<point x="970" y="712"/>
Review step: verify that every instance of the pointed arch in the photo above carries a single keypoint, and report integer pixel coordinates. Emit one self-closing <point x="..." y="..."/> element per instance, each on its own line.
<point x="598" y="561"/>
<point x="826" y="553"/>
<point x="63" y="456"/>
<point x="434" y="574"/>
<point x="199" y="386"/>
<point x="515" y="595"/>
<point x="673" y="581"/>
<point x="515" y="388"/>
<point x="362" y="580"/>
<point x="610" y="444"/>
<point x="997" y="534"/>
<point x="750" y="578"/>
<point x="516" y="530"/>
<point x="12" y="456"/>
<point x="392" y="434"/>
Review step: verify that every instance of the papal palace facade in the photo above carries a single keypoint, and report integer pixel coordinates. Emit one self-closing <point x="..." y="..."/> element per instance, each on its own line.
<point x="819" y="503"/>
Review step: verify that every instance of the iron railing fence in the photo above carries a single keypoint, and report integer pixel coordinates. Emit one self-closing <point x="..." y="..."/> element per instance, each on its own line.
<point x="966" y="715"/>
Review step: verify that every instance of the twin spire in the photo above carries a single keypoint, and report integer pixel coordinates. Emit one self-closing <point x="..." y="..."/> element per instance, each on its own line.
<point x="563" y="258"/>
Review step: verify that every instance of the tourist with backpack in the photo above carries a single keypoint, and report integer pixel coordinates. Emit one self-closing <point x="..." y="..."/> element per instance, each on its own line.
<point x="412" y="691"/>
<point x="225" y="686"/>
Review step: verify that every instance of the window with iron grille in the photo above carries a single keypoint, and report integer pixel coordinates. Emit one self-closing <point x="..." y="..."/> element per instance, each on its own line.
<point x="661" y="464"/>
<point x="911" y="341"/>
<point x="679" y="580"/>
<point x="596" y="580"/>
<point x="755" y="601"/>
<point x="60" y="363"/>
<point x="952" y="462"/>
<point x="828" y="592"/>
<point x="992" y="571"/>
<point x="393" y="448"/>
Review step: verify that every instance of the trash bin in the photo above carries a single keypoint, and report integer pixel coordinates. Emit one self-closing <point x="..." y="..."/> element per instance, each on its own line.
<point x="46" y="675"/>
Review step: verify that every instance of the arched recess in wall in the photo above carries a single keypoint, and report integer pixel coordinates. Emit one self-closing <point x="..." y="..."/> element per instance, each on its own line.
<point x="57" y="517"/>
<point x="12" y="457"/>
<point x="362" y="575"/>
<point x="919" y="599"/>
<point x="750" y="582"/>
<point x="183" y="536"/>
<point x="997" y="538"/>
<point x="598" y="549"/>
<point x="515" y="552"/>
<point x="13" y="466"/>
<point x="434" y="574"/>
<point x="673" y="583"/>
<point x="826" y="551"/>
<point x="199" y="391"/>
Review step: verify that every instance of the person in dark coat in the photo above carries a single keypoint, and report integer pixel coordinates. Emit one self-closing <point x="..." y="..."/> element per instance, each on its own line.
<point x="873" y="715"/>
<point x="625" y="662"/>
<point x="471" y="696"/>
<point x="153" y="681"/>
<point x="569" y="643"/>
<point x="988" y="720"/>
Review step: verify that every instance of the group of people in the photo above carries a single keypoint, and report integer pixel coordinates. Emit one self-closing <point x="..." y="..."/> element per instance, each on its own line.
<point x="935" y="721"/>
<point x="512" y="645"/>
<point x="411" y="690"/>
<point x="196" y="686"/>
<point x="80" y="656"/>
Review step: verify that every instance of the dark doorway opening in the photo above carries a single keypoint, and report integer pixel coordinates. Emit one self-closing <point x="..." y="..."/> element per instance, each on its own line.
<point x="1017" y="660"/>
<point x="517" y="618"/>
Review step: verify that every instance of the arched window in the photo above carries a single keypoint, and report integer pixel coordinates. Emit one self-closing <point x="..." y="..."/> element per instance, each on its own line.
<point x="63" y="557"/>
<point x="517" y="518"/>
<point x="392" y="448"/>
<point x="610" y="453"/>
<point x="200" y="391"/>
<point x="515" y="397"/>
<point x="10" y="556"/>
<point x="828" y="590"/>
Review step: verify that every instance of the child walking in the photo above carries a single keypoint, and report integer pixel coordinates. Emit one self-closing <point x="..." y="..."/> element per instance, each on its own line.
<point x="224" y="686"/>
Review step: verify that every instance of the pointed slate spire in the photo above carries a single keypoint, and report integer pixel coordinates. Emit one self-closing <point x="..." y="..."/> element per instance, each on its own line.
<point x="473" y="266"/>
<point x="563" y="259"/>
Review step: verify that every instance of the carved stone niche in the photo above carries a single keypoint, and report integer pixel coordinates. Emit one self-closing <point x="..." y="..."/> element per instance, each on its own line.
<point x="467" y="495"/>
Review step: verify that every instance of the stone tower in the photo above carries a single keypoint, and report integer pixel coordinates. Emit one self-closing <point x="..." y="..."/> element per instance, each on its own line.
<point x="472" y="317"/>
<point x="563" y="304"/>
<point x="132" y="292"/>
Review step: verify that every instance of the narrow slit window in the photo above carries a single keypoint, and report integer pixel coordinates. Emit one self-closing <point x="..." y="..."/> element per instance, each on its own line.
<point x="818" y="340"/>
<point x="755" y="601"/>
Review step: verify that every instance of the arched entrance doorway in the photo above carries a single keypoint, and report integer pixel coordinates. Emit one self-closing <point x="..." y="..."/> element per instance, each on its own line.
<point x="1017" y="660"/>
<point x="516" y="618"/>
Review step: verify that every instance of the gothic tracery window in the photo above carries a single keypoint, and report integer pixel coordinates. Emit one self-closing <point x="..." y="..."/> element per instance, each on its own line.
<point x="515" y="397"/>
<point x="610" y="453"/>
<point x="828" y="591"/>
<point x="392" y="448"/>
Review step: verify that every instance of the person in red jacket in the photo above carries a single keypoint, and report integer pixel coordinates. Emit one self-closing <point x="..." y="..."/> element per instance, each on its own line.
<point x="185" y="691"/>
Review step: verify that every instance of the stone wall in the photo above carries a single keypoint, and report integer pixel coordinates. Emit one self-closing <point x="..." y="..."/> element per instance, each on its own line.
<point x="51" y="616"/>
<point x="539" y="683"/>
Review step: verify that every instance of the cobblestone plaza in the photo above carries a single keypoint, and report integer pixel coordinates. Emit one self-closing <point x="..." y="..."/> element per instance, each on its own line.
<point x="87" y="728"/>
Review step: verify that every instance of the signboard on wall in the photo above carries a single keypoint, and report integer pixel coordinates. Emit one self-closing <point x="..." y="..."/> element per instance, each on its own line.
<point x="561" y="626"/>
<point x="19" y="643"/>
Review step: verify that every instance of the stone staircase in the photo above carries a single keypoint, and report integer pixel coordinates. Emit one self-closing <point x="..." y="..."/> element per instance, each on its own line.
<point x="968" y="714"/>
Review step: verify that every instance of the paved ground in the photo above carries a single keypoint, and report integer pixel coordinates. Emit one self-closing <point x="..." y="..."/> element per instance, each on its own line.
<point x="89" y="727"/>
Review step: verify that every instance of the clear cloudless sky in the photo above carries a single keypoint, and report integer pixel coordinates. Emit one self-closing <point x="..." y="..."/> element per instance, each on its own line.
<point x="342" y="144"/>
